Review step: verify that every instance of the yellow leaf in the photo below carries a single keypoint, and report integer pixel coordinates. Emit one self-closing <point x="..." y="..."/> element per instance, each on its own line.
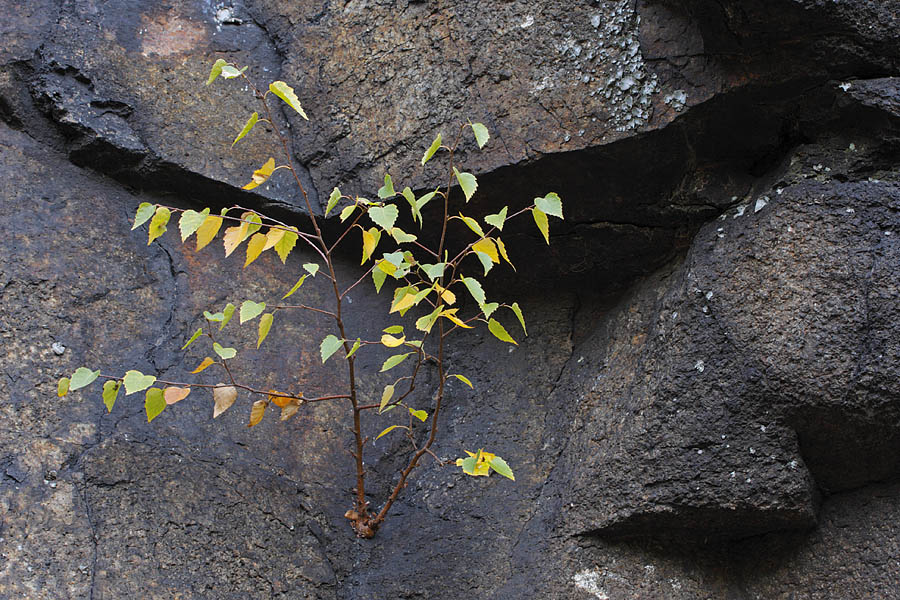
<point x="289" y="410"/>
<point x="370" y="242"/>
<point x="387" y="267"/>
<point x="451" y="314"/>
<point x="446" y="295"/>
<point x="488" y="247"/>
<point x="234" y="236"/>
<point x="502" y="248"/>
<point x="175" y="394"/>
<point x="206" y="362"/>
<point x="392" y="342"/>
<point x="208" y="230"/>
<point x="255" y="247"/>
<point x="158" y="223"/>
<point x="273" y="236"/>
<point x="280" y="400"/>
<point x="261" y="174"/>
<point x="403" y="303"/>
<point x="257" y="412"/>
<point x="224" y="397"/>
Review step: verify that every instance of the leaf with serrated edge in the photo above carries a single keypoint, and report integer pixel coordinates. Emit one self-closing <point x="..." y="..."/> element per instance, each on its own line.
<point x="333" y="199"/>
<point x="387" y="190"/>
<point x="247" y="127"/>
<point x="289" y="411"/>
<point x="486" y="261"/>
<point x="62" y="386"/>
<point x="390" y="429"/>
<point x="223" y="396"/>
<point x="481" y="134"/>
<point x="464" y="379"/>
<point x="434" y="271"/>
<point x="502" y="248"/>
<point x="229" y="72"/>
<point x="386" y="396"/>
<point x="273" y="236"/>
<point x="82" y="377"/>
<point x="384" y="216"/>
<point x="135" y="381"/>
<point x="227" y="313"/>
<point x="250" y="310"/>
<point x="261" y="175"/>
<point x="286" y="93"/>
<point x="158" y="224"/>
<point x="110" y="393"/>
<point x="190" y="222"/>
<point x="265" y="323"/>
<point x="329" y="346"/>
<point x="255" y="247"/>
<point x="206" y="362"/>
<point x="370" y="242"/>
<point x="145" y="210"/>
<point x="515" y="308"/>
<point x="393" y="329"/>
<point x="311" y="268"/>
<point x="256" y="412"/>
<point x="540" y="220"/>
<point x="419" y="414"/>
<point x="550" y="204"/>
<point x="487" y="246"/>
<point x="488" y="309"/>
<point x="401" y="236"/>
<point x="475" y="289"/>
<point x="378" y="277"/>
<point x="500" y="332"/>
<point x="499" y="465"/>
<point x="295" y="288"/>
<point x="467" y="182"/>
<point x="348" y="210"/>
<point x="284" y="246"/>
<point x="498" y="219"/>
<point x="393" y="361"/>
<point x="224" y="353"/>
<point x="451" y="314"/>
<point x="431" y="149"/>
<point x="472" y="224"/>
<point x="207" y="231"/>
<point x="355" y="347"/>
<point x="425" y="323"/>
<point x="154" y="403"/>
<point x="175" y="394"/>
<point x="216" y="70"/>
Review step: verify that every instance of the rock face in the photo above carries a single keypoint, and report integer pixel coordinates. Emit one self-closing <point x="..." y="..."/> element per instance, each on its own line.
<point x="707" y="403"/>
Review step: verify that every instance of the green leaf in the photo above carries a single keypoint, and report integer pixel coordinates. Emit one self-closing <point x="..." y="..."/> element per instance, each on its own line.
<point x="464" y="379"/>
<point x="333" y="199"/>
<point x="394" y="329"/>
<point x="541" y="220"/>
<point x="378" y="276"/>
<point x="158" y="223"/>
<point x="250" y="310"/>
<point x="265" y="323"/>
<point x="216" y="70"/>
<point x="393" y="361"/>
<point x="386" y="396"/>
<point x="475" y="289"/>
<point x="229" y="72"/>
<point x="135" y="381"/>
<point x="62" y="386"/>
<point x="144" y="212"/>
<point x="193" y="339"/>
<point x="467" y="182"/>
<point x="286" y="93"/>
<point x="550" y="204"/>
<point x="427" y="322"/>
<point x="498" y="219"/>
<point x="488" y="309"/>
<point x="247" y="127"/>
<point x="311" y="268"/>
<point x="154" y="403"/>
<point x="468" y="465"/>
<point x="384" y="216"/>
<point x="419" y="414"/>
<point x="500" y="332"/>
<point x="82" y="377"/>
<point x="110" y="393"/>
<point x="481" y="134"/>
<point x="284" y="246"/>
<point x="401" y="236"/>
<point x="224" y="353"/>
<point x="295" y="288"/>
<point x="434" y="271"/>
<point x="217" y="317"/>
<point x="387" y="190"/>
<point x="329" y="346"/>
<point x="499" y="465"/>
<point x="190" y="222"/>
<point x="515" y="308"/>
<point x="407" y="193"/>
<point x="355" y="347"/>
<point x="391" y="428"/>
<point x="431" y="149"/>
<point x="486" y="261"/>
<point x="473" y="225"/>
<point x="227" y="313"/>
<point x="421" y="202"/>
<point x="348" y="210"/>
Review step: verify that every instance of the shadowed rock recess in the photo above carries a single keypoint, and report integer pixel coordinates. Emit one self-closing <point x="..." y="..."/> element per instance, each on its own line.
<point x="707" y="406"/>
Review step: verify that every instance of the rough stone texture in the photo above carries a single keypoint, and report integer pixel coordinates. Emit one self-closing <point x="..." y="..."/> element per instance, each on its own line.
<point x="707" y="406"/>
